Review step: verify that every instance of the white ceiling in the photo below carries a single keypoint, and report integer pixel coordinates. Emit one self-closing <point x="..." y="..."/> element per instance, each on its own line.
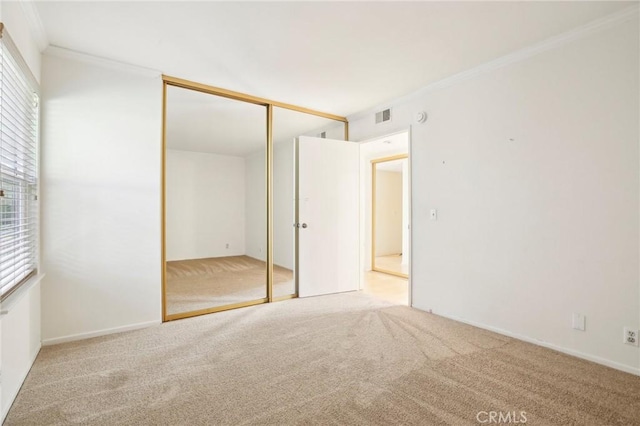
<point x="336" y="57"/>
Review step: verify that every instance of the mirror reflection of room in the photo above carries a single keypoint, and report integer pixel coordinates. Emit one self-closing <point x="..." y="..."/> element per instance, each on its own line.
<point x="287" y="126"/>
<point x="215" y="201"/>
<point x="391" y="216"/>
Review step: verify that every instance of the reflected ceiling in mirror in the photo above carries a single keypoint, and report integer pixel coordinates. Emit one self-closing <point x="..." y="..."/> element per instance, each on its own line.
<point x="289" y="124"/>
<point x="202" y="122"/>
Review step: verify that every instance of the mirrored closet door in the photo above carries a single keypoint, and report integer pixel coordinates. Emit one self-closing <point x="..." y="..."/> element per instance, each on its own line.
<point x="287" y="126"/>
<point x="229" y="215"/>
<point x="215" y="203"/>
<point x="390" y="215"/>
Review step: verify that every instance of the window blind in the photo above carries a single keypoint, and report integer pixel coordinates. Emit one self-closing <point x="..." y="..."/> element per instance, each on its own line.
<point x="19" y="116"/>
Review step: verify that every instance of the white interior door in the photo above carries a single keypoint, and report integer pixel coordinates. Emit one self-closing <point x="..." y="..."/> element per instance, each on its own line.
<point x="328" y="215"/>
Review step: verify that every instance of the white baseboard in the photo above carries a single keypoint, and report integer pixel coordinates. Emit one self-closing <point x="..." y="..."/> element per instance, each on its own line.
<point x="104" y="332"/>
<point x="15" y="392"/>
<point x="577" y="354"/>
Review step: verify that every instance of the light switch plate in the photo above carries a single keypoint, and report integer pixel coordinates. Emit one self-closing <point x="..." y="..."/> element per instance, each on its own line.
<point x="579" y="322"/>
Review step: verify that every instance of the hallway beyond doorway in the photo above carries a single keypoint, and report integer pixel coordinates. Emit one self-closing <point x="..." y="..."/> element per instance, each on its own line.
<point x="392" y="263"/>
<point x="386" y="287"/>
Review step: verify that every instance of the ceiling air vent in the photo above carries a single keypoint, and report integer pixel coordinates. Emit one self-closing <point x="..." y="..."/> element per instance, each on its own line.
<point x="383" y="116"/>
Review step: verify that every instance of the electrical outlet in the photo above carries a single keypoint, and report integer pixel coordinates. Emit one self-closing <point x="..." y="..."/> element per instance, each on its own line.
<point x="227" y="245"/>
<point x="630" y="336"/>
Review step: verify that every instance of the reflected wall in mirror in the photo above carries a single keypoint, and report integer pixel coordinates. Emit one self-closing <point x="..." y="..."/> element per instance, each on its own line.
<point x="390" y="215"/>
<point x="287" y="126"/>
<point x="215" y="203"/>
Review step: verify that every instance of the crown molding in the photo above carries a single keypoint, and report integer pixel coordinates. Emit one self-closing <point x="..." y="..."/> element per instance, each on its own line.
<point x="61" y="52"/>
<point x="35" y="24"/>
<point x="511" y="58"/>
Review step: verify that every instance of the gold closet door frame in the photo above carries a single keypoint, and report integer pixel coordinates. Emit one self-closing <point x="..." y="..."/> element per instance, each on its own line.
<point x="243" y="97"/>
<point x="373" y="213"/>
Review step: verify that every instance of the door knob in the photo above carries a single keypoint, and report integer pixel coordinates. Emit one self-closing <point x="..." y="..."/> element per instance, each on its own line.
<point x="304" y="225"/>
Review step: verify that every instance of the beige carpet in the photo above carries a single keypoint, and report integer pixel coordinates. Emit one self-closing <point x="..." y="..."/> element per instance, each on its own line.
<point x="206" y="283"/>
<point x="342" y="359"/>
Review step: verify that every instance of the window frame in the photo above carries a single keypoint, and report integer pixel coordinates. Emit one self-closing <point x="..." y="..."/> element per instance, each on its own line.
<point x="29" y="205"/>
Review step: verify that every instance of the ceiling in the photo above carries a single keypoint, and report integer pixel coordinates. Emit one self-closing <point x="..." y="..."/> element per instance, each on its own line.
<point x="337" y="57"/>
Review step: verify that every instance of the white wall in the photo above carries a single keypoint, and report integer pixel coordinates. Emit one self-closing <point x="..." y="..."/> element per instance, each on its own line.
<point x="255" y="210"/>
<point x="205" y="207"/>
<point x="17" y="25"/>
<point x="388" y="213"/>
<point x="20" y="331"/>
<point x="20" y="328"/>
<point x="532" y="229"/>
<point x="101" y="168"/>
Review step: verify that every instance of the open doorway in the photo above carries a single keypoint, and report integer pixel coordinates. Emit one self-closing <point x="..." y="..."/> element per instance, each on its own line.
<point x="385" y="218"/>
<point x="390" y="215"/>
